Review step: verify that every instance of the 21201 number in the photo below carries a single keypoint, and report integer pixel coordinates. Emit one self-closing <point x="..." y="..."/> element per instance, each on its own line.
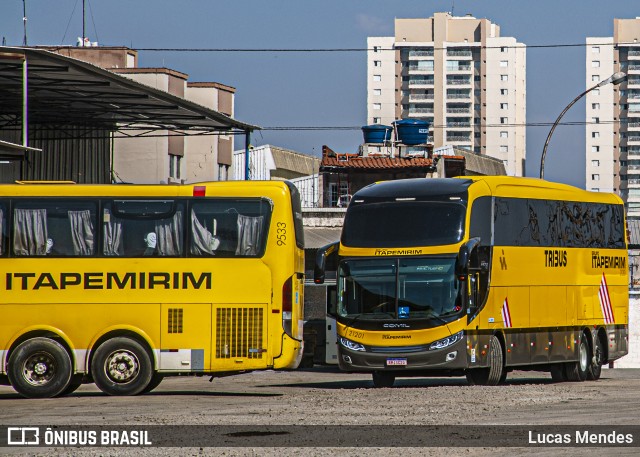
<point x="281" y="233"/>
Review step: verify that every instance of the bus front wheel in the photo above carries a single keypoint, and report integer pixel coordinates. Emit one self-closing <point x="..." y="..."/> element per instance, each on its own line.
<point x="492" y="375"/>
<point x="383" y="379"/>
<point x="121" y="366"/>
<point x="39" y="368"/>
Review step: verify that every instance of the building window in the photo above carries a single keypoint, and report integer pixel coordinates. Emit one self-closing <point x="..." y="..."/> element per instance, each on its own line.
<point x="595" y="106"/>
<point x="595" y="91"/>
<point x="595" y="64"/>
<point x="376" y="49"/>
<point x="377" y="91"/>
<point x="335" y="193"/>
<point x="595" y="189"/>
<point x="595" y="163"/>
<point x="504" y="120"/>
<point x="504" y="77"/>
<point x="504" y="63"/>
<point x="503" y="49"/>
<point x="377" y="63"/>
<point x="504" y="134"/>
<point x="377" y="78"/>
<point x="504" y="148"/>
<point x="595" y="134"/>
<point x="595" y="177"/>
<point x="504" y="91"/>
<point x="595" y="78"/>
<point x="377" y="106"/>
<point x="504" y="106"/>
<point x="595" y="148"/>
<point x="595" y="49"/>
<point x="376" y="120"/>
<point x="175" y="163"/>
<point x="595" y="120"/>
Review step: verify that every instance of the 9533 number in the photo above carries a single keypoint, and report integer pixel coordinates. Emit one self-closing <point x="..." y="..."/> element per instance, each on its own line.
<point x="281" y="233"/>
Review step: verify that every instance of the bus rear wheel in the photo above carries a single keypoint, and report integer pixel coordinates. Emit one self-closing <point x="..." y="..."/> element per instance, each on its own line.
<point x="595" y="367"/>
<point x="492" y="375"/>
<point x="39" y="368"/>
<point x="121" y="366"/>
<point x="383" y="379"/>
<point x="577" y="371"/>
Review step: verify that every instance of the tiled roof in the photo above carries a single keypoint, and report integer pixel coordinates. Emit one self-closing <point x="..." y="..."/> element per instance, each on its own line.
<point x="356" y="162"/>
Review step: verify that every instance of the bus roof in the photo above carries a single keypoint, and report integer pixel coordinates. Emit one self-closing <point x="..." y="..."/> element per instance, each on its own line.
<point x="143" y="190"/>
<point x="499" y="186"/>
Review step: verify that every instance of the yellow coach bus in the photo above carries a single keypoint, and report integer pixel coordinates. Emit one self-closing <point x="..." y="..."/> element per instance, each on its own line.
<point x="478" y="276"/>
<point x="123" y="285"/>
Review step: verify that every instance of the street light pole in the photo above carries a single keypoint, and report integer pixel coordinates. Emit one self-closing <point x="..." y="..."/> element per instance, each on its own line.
<point x="614" y="79"/>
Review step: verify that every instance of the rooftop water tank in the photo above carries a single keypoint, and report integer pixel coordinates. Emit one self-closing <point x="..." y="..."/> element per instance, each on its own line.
<point x="376" y="133"/>
<point x="412" y="131"/>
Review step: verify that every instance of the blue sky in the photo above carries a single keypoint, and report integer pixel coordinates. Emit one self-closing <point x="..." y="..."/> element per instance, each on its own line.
<point x="329" y="89"/>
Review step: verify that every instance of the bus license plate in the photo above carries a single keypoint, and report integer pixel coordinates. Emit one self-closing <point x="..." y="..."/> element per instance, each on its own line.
<point x="396" y="362"/>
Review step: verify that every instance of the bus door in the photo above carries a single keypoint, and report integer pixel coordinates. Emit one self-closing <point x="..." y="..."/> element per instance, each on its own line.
<point x="331" y="341"/>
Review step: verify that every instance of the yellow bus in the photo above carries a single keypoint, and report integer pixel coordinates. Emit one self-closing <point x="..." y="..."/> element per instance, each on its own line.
<point x="478" y="276"/>
<point x="122" y="285"/>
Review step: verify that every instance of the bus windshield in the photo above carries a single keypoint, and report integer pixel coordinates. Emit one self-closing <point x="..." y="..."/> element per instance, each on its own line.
<point x="393" y="224"/>
<point x="398" y="288"/>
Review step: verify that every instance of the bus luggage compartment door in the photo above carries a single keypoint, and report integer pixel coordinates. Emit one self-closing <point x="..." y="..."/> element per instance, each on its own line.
<point x="240" y="337"/>
<point x="185" y="339"/>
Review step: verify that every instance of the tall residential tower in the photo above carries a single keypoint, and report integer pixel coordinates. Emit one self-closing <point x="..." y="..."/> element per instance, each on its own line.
<point x="457" y="73"/>
<point x="613" y="115"/>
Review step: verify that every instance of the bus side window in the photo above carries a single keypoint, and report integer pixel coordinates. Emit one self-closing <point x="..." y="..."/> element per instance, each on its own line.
<point x="229" y="227"/>
<point x="3" y="229"/>
<point x="56" y="228"/>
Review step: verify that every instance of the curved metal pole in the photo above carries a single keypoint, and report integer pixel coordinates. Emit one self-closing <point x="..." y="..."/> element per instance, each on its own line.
<point x="555" y="124"/>
<point x="615" y="78"/>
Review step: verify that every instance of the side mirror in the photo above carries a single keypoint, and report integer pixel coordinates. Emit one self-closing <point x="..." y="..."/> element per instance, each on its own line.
<point x="321" y="261"/>
<point x="462" y="262"/>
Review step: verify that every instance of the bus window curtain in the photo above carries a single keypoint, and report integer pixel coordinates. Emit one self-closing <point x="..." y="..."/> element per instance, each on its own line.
<point x="30" y="232"/>
<point x="112" y="235"/>
<point x="169" y="232"/>
<point x="201" y="238"/>
<point x="249" y="235"/>
<point x="81" y="232"/>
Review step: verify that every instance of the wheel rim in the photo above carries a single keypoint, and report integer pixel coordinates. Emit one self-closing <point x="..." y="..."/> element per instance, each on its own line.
<point x="122" y="366"/>
<point x="39" y="368"/>
<point x="583" y="356"/>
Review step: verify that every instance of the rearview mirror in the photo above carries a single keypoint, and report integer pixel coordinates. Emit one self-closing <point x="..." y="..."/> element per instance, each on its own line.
<point x="321" y="261"/>
<point x="464" y="254"/>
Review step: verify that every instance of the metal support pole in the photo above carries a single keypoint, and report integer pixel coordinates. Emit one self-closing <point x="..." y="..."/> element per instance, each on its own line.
<point x="25" y="102"/>
<point x="247" y="143"/>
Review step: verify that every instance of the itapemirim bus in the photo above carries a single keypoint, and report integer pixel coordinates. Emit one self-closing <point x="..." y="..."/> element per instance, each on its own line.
<point x="123" y="285"/>
<point x="478" y="276"/>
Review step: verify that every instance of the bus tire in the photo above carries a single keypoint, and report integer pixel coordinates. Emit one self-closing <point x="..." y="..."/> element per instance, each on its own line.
<point x="558" y="373"/>
<point x="39" y="368"/>
<point x="492" y="375"/>
<point x="74" y="384"/>
<point x="121" y="366"/>
<point x="156" y="379"/>
<point x="577" y="371"/>
<point x="595" y="367"/>
<point x="383" y="379"/>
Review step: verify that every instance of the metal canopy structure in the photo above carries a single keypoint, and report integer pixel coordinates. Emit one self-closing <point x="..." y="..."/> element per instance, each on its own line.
<point x="63" y="92"/>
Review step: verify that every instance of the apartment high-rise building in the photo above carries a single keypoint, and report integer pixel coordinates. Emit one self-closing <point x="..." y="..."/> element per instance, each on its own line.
<point x="459" y="74"/>
<point x="613" y="115"/>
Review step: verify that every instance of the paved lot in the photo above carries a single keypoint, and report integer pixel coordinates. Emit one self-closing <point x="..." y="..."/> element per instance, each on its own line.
<point x="323" y="396"/>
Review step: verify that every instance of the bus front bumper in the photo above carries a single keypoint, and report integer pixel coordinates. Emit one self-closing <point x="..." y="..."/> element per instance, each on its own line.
<point x="453" y="357"/>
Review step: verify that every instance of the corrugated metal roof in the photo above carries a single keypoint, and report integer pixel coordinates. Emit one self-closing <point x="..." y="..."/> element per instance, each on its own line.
<point x="481" y="164"/>
<point x="286" y="159"/>
<point x="316" y="237"/>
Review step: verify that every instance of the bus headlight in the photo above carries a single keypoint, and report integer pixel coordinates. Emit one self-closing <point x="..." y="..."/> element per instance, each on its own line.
<point x="351" y="344"/>
<point x="446" y="342"/>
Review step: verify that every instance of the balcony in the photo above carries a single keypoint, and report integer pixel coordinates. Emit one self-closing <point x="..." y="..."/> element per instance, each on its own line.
<point x="420" y="111"/>
<point x="421" y="53"/>
<point x="458" y="68"/>
<point x="458" y="110"/>
<point x="459" y="124"/>
<point x="458" y="96"/>
<point x="458" y="53"/>
<point x="633" y="53"/>
<point x="419" y="97"/>
<point x="633" y="81"/>
<point x="633" y="67"/>
<point x="417" y="82"/>
<point x="459" y="81"/>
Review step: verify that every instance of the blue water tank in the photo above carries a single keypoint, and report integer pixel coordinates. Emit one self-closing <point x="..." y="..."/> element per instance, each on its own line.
<point x="376" y="133"/>
<point x="412" y="131"/>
